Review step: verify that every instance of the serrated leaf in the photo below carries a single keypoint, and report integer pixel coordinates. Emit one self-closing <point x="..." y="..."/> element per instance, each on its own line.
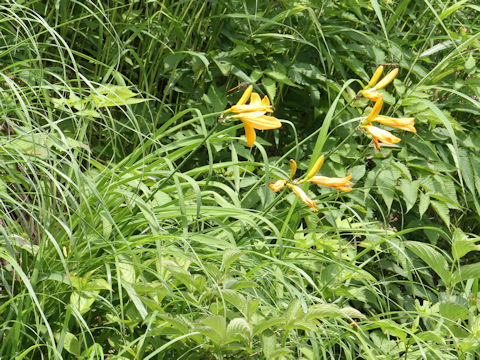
<point x="271" y="87"/>
<point x="409" y="190"/>
<point x="423" y="204"/>
<point x="432" y="258"/>
<point x="239" y="329"/>
<point x="229" y="256"/>
<point x="442" y="211"/>
<point x="214" y="328"/>
<point x="453" y="310"/>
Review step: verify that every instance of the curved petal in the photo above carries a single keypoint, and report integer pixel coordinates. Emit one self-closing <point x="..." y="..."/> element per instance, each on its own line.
<point x="303" y="196"/>
<point x="262" y="122"/>
<point x="255" y="99"/>
<point x="265" y="101"/>
<point x="249" y="133"/>
<point x="381" y="135"/>
<point x="386" y="80"/>
<point x="371" y="95"/>
<point x="245" y="95"/>
<point x="406" y="124"/>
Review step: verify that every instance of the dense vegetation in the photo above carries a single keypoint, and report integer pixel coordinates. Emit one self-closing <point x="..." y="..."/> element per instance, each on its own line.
<point x="136" y="225"/>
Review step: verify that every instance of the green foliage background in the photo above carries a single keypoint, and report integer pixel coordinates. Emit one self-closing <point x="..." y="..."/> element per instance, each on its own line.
<point x="135" y="226"/>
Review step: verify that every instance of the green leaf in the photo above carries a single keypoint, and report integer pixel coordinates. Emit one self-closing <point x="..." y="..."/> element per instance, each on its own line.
<point x="270" y="86"/>
<point x="424" y="204"/>
<point x="409" y="190"/>
<point x="214" y="328"/>
<point x="229" y="256"/>
<point x="462" y="244"/>
<point x="239" y="330"/>
<point x="432" y="258"/>
<point x="442" y="211"/>
<point x="71" y="344"/>
<point x="465" y="272"/>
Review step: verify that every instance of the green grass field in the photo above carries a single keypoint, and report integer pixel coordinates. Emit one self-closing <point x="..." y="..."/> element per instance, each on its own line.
<point x="138" y="218"/>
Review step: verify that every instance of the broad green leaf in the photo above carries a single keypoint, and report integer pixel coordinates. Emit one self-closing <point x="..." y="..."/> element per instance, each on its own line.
<point x="432" y="258"/>
<point x="409" y="190"/>
<point x="238" y="330"/>
<point x="229" y="256"/>
<point x="465" y="272"/>
<point x="423" y="204"/>
<point x="271" y="87"/>
<point x="71" y="344"/>
<point x="442" y="211"/>
<point x="214" y="328"/>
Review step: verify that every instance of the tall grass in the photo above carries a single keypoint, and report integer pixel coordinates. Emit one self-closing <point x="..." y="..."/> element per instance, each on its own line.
<point x="134" y="225"/>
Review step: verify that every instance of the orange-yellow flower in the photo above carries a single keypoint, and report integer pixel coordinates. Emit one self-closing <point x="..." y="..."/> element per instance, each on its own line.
<point x="278" y="185"/>
<point x="381" y="135"/>
<point x="369" y="91"/>
<point x="256" y="120"/>
<point x="303" y="196"/>
<point x="407" y="124"/>
<point x="255" y="103"/>
<point x="374" y="113"/>
<point x="371" y="94"/>
<point x="253" y="115"/>
<point x="341" y="183"/>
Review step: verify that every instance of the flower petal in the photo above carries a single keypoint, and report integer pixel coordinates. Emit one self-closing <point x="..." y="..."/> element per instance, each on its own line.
<point x="381" y="135"/>
<point x="262" y="122"/>
<point x="375" y="77"/>
<point x="255" y="99"/>
<point x="278" y="185"/>
<point x="303" y="196"/>
<point x="249" y="133"/>
<point x="387" y="79"/>
<point x="266" y="101"/>
<point x="375" y="111"/>
<point x="371" y="95"/>
<point x="406" y="124"/>
<point x="341" y="183"/>
<point x="245" y="96"/>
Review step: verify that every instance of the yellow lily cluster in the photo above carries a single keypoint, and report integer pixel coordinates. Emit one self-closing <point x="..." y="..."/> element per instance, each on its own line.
<point x="370" y="92"/>
<point x="253" y="115"/>
<point x="343" y="183"/>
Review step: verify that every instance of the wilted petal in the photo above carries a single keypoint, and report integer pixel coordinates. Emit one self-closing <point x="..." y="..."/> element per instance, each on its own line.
<point x="278" y="185"/>
<point x="303" y="196"/>
<point x="341" y="183"/>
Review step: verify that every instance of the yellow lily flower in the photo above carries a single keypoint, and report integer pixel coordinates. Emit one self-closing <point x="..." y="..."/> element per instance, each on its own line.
<point x="253" y="115"/>
<point x="303" y="196"/>
<point x="255" y="104"/>
<point x="381" y="135"/>
<point x="342" y="183"/>
<point x="256" y="120"/>
<point x="406" y="124"/>
<point x="278" y="185"/>
<point x="374" y="113"/>
<point x="371" y="95"/>
<point x="370" y="90"/>
<point x="387" y="79"/>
